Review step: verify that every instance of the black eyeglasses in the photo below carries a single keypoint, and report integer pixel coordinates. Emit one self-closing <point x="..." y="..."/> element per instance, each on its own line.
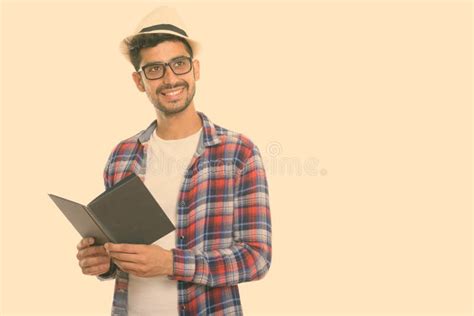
<point x="179" y="65"/>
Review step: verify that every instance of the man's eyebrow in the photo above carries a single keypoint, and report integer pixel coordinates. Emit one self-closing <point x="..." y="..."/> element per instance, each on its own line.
<point x="162" y="62"/>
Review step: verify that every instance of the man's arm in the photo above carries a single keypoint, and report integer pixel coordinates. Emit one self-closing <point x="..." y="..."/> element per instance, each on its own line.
<point x="250" y="256"/>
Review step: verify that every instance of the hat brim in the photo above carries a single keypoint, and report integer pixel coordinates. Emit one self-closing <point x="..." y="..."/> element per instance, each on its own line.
<point x="196" y="47"/>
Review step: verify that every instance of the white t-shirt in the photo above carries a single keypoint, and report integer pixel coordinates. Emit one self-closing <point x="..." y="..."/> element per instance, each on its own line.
<point x="167" y="160"/>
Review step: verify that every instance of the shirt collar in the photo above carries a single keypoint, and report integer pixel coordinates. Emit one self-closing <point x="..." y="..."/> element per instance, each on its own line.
<point x="210" y="137"/>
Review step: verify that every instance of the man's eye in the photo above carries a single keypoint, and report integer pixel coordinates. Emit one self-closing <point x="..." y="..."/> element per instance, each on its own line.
<point x="154" y="68"/>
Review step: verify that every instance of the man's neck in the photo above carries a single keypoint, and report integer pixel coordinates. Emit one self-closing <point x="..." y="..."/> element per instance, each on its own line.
<point x="179" y="125"/>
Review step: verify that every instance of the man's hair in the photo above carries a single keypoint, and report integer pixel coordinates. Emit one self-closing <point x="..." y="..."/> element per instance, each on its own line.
<point x="151" y="40"/>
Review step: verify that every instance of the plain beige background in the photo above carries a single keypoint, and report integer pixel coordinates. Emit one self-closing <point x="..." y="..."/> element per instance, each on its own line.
<point x="362" y="111"/>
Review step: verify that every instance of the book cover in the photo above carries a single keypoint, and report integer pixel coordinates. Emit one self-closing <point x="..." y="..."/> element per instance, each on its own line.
<point x="125" y="213"/>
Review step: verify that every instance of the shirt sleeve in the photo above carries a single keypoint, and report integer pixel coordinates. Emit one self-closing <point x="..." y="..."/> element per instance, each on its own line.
<point x="249" y="257"/>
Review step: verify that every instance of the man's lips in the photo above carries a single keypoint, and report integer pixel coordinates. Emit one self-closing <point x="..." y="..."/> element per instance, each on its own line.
<point x="172" y="92"/>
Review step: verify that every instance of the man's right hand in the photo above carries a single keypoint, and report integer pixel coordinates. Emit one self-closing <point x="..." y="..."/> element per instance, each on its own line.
<point x="93" y="260"/>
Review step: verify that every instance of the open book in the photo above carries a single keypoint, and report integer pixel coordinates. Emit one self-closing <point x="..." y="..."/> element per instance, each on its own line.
<point x="125" y="213"/>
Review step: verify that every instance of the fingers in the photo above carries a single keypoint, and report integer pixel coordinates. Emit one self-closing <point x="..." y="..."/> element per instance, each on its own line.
<point x="85" y="242"/>
<point x="95" y="265"/>
<point x="96" y="270"/>
<point x="127" y="248"/>
<point x="128" y="257"/>
<point x="93" y="261"/>
<point x="91" y="251"/>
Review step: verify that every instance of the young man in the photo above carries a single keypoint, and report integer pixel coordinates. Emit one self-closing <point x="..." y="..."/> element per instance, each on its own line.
<point x="209" y="180"/>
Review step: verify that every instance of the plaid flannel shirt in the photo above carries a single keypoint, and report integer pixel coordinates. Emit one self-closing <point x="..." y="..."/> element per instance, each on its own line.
<point x="223" y="227"/>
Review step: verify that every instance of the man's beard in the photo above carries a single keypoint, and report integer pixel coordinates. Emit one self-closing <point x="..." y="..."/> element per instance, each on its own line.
<point x="167" y="111"/>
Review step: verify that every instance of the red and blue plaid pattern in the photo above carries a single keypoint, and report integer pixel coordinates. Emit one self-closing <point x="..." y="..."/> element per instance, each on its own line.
<point x="223" y="227"/>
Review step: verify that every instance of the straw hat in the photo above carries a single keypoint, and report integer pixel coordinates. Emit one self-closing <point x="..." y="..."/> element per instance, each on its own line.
<point x="163" y="20"/>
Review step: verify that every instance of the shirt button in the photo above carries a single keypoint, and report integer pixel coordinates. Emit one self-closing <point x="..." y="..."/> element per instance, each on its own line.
<point x="181" y="237"/>
<point x="183" y="307"/>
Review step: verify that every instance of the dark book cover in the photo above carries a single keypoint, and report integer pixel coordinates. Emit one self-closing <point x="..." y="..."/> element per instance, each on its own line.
<point x="125" y="213"/>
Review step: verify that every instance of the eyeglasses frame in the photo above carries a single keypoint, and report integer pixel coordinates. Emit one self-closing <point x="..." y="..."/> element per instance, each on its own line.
<point x="167" y="64"/>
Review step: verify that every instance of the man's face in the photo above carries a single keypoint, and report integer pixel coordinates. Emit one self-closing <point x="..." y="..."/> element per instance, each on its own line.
<point x="172" y="93"/>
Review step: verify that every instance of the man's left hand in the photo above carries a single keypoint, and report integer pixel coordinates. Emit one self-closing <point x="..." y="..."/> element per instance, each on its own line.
<point x="141" y="260"/>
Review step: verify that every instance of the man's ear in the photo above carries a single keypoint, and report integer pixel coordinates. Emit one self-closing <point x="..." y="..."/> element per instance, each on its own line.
<point x="196" y="69"/>
<point x="138" y="81"/>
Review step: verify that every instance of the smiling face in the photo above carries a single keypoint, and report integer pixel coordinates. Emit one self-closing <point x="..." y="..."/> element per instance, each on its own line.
<point x="172" y="93"/>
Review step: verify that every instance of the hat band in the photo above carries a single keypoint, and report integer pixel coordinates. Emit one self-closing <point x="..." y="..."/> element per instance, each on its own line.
<point x="166" y="27"/>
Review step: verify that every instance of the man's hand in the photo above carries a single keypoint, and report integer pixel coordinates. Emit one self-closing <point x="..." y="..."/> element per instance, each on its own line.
<point x="141" y="260"/>
<point x="93" y="260"/>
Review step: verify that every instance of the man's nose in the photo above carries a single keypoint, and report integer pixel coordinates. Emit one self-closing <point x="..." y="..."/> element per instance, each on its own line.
<point x="169" y="77"/>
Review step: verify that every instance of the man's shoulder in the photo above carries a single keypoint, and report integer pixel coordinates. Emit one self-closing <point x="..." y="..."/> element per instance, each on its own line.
<point x="236" y="141"/>
<point x="131" y="139"/>
<point x="126" y="146"/>
<point x="228" y="136"/>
